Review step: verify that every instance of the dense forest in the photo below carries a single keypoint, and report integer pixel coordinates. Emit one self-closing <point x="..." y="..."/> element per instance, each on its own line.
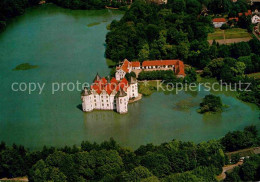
<point x="90" y="4"/>
<point x="179" y="31"/>
<point x="249" y="171"/>
<point x="108" y="161"/>
<point x="12" y="8"/>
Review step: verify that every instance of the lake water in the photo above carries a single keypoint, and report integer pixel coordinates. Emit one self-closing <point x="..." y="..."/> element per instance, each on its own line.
<point x="68" y="46"/>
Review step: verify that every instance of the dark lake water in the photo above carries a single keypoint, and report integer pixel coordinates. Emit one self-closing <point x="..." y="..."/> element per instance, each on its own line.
<point x="68" y="46"/>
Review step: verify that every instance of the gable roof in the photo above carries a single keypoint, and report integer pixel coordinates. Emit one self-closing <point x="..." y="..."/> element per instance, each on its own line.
<point x="178" y="64"/>
<point x="121" y="93"/>
<point x="219" y="20"/>
<point x="235" y="18"/>
<point x="97" y="78"/>
<point x="102" y="85"/>
<point x="133" y="80"/>
<point x="126" y="65"/>
<point x="135" y="64"/>
<point x="159" y="62"/>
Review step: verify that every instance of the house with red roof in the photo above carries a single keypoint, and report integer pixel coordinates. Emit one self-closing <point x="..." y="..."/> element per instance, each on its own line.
<point x="105" y="94"/>
<point x="154" y="65"/>
<point x="176" y="65"/>
<point x="234" y="18"/>
<point x="218" y="22"/>
<point x="248" y="13"/>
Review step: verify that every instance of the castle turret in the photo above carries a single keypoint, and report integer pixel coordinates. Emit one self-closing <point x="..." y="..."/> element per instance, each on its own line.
<point x="133" y="88"/>
<point x="97" y="78"/>
<point x="121" y="101"/>
<point x="87" y="100"/>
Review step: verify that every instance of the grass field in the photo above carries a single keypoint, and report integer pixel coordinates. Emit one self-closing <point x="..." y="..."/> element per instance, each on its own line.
<point x="254" y="75"/>
<point x="229" y="34"/>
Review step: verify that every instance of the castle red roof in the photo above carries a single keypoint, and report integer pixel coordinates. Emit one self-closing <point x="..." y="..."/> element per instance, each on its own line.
<point x="103" y="84"/>
<point x="180" y="69"/>
<point x="113" y="80"/>
<point x="178" y="64"/>
<point x="235" y="18"/>
<point x="219" y="20"/>
<point x="160" y="62"/>
<point x="136" y="64"/>
<point x="125" y="66"/>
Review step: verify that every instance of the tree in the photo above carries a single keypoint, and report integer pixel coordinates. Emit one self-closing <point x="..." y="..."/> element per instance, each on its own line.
<point x="137" y="174"/>
<point x="144" y="52"/>
<point x="239" y="139"/>
<point x="210" y="103"/>
<point x="178" y="6"/>
<point x="158" y="164"/>
<point x="191" y="75"/>
<point x="193" y="7"/>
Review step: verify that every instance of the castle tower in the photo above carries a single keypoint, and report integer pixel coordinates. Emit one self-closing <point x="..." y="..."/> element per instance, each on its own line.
<point x="87" y="100"/>
<point x="97" y="78"/>
<point x="121" y="101"/>
<point x="133" y="88"/>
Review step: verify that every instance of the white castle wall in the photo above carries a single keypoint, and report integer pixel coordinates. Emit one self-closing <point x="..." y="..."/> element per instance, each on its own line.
<point x="122" y="104"/>
<point x="103" y="101"/>
<point x="120" y="74"/>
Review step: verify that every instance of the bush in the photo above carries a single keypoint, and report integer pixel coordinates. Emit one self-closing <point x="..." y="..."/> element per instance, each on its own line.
<point x="224" y="27"/>
<point x="210" y="103"/>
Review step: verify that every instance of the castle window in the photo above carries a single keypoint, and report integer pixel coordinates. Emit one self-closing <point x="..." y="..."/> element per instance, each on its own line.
<point x="107" y="105"/>
<point x="102" y="97"/>
<point x="107" y="100"/>
<point x="94" y="96"/>
<point x="102" y="104"/>
<point x="95" y="100"/>
<point x="120" y="101"/>
<point x="95" y="104"/>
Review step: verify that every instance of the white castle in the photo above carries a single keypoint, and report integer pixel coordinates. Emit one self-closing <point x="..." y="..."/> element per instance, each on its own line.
<point x="109" y="95"/>
<point x="115" y="94"/>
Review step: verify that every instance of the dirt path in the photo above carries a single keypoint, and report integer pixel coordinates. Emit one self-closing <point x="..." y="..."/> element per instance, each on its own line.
<point x="226" y="168"/>
<point x="245" y="152"/>
<point x="229" y="41"/>
<point x="15" y="179"/>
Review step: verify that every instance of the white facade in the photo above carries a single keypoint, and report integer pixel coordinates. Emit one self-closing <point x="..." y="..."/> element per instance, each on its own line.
<point x="122" y="70"/>
<point x="255" y="19"/>
<point x="122" y="102"/>
<point x="218" y="24"/>
<point x="115" y="99"/>
<point x="120" y="74"/>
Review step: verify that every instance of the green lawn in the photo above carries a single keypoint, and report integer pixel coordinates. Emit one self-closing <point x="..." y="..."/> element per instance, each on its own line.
<point x="229" y="33"/>
<point x="254" y="75"/>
